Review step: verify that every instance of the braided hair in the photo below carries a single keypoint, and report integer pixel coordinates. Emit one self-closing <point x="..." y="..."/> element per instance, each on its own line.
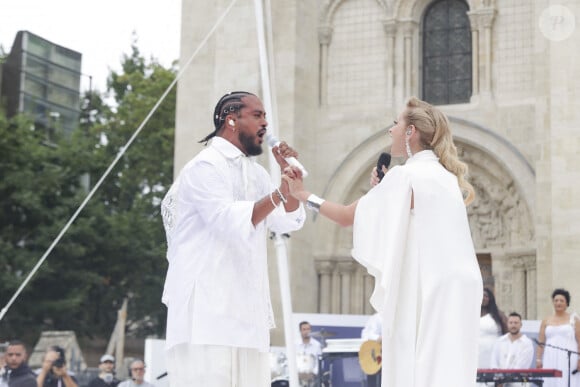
<point x="228" y="104"/>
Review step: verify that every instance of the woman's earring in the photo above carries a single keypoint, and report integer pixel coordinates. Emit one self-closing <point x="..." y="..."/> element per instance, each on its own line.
<point x="408" y="148"/>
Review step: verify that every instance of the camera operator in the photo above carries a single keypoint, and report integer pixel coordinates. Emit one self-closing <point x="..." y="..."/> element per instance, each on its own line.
<point x="53" y="372"/>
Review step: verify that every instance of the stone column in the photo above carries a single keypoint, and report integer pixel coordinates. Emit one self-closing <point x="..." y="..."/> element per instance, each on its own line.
<point x="358" y="298"/>
<point x="519" y="286"/>
<point x="345" y="268"/>
<point x="530" y="263"/>
<point x="369" y="285"/>
<point x="324" y="37"/>
<point x="324" y="270"/>
<point x="390" y="27"/>
<point x="481" y="24"/>
<point x="488" y="16"/>
<point x="335" y="292"/>
<point x="409" y="28"/>
<point x="474" y="54"/>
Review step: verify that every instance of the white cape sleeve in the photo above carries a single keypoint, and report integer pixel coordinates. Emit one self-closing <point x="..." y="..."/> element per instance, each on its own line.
<point x="380" y="232"/>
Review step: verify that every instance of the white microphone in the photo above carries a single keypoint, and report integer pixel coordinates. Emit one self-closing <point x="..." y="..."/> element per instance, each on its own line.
<point x="273" y="141"/>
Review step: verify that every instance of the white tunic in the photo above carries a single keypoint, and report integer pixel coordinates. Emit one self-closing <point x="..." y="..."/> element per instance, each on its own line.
<point x="508" y="354"/>
<point x="217" y="290"/>
<point x="428" y="285"/>
<point x="373" y="329"/>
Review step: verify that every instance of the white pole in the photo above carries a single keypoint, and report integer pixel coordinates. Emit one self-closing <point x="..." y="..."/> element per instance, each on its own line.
<point x="275" y="174"/>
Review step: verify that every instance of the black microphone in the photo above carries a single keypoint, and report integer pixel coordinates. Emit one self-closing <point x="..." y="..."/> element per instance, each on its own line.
<point x="384" y="159"/>
<point x="575" y="372"/>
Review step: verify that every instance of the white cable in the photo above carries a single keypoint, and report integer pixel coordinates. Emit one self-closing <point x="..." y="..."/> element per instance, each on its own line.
<point x="112" y="165"/>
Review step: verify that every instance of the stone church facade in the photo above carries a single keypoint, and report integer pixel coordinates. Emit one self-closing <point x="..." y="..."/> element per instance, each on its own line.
<point x="505" y="73"/>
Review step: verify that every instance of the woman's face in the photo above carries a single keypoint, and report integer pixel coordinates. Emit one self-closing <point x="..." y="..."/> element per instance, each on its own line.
<point x="485" y="300"/>
<point x="397" y="133"/>
<point x="559" y="302"/>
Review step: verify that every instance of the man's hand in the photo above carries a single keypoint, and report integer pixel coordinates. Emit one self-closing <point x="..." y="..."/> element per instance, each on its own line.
<point x="281" y="152"/>
<point x="59" y="371"/>
<point x="49" y="358"/>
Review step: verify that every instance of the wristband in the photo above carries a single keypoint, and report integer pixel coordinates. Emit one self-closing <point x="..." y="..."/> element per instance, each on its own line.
<point x="314" y="202"/>
<point x="280" y="196"/>
<point x="272" y="200"/>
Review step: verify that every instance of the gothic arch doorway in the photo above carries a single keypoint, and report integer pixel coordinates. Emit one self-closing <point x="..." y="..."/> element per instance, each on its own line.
<point x="501" y="220"/>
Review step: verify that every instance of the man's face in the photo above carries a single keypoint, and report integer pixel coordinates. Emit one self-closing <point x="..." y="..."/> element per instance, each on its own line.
<point x="138" y="370"/>
<point x="107" y="366"/>
<point x="251" y="125"/>
<point x="15" y="356"/>
<point x="305" y="331"/>
<point x="514" y="325"/>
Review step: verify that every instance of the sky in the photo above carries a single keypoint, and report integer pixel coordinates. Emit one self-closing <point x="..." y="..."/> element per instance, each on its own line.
<point x="102" y="31"/>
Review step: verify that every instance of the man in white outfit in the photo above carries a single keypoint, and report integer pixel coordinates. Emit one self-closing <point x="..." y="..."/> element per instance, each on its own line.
<point x="307" y="351"/>
<point x="514" y="350"/>
<point x="373" y="329"/>
<point x="216" y="216"/>
<point x="136" y="375"/>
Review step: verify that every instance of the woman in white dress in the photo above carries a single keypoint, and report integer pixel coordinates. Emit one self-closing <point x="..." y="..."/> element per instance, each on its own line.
<point x="412" y="234"/>
<point x="492" y="324"/>
<point x="562" y="329"/>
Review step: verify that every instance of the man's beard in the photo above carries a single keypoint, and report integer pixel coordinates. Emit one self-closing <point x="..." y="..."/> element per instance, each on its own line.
<point x="248" y="143"/>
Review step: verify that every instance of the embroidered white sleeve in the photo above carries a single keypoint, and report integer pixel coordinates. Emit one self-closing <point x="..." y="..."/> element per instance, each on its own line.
<point x="169" y="210"/>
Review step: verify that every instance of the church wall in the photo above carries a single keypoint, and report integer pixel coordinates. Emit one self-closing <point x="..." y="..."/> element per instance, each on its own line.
<point x="519" y="132"/>
<point x="561" y="143"/>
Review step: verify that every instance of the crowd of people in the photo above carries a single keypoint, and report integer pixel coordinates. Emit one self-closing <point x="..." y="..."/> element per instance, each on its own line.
<point x="557" y="345"/>
<point x="15" y="371"/>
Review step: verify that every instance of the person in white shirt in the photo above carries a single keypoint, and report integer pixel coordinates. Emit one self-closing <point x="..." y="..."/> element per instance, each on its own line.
<point x="308" y="351"/>
<point x="137" y="375"/>
<point x="216" y="217"/>
<point x="514" y="350"/>
<point x="373" y="329"/>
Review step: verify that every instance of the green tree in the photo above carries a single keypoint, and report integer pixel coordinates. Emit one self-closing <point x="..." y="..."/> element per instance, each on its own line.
<point x="116" y="248"/>
<point x="133" y="196"/>
<point x="39" y="190"/>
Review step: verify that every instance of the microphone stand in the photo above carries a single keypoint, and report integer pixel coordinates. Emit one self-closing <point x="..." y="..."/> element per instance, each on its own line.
<point x="569" y="353"/>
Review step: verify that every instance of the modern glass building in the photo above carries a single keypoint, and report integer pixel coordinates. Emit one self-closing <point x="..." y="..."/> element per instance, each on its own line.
<point x="42" y="79"/>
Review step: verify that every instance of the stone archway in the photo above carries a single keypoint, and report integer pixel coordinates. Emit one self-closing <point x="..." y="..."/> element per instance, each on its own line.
<point x="501" y="220"/>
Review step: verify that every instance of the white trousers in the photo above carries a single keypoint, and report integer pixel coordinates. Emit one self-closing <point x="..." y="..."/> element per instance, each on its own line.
<point x="217" y="366"/>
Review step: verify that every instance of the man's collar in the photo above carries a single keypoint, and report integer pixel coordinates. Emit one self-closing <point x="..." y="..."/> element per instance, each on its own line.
<point x="226" y="148"/>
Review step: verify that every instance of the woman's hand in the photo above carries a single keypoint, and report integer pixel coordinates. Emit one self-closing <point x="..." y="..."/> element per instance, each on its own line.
<point x="293" y="177"/>
<point x="374" y="180"/>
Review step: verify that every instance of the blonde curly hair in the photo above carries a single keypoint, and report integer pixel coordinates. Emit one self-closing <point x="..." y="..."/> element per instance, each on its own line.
<point x="433" y="127"/>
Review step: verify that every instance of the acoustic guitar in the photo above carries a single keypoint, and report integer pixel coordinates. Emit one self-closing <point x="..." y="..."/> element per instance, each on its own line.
<point x="370" y="357"/>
